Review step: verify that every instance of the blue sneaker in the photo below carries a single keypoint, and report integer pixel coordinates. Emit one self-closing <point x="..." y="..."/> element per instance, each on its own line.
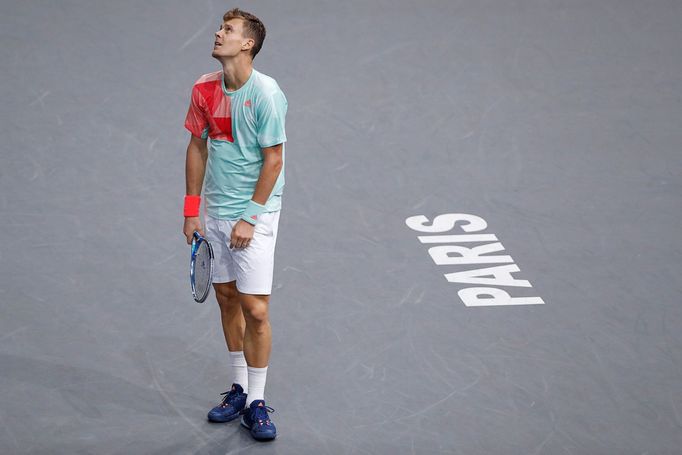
<point x="232" y="405"/>
<point x="256" y="419"/>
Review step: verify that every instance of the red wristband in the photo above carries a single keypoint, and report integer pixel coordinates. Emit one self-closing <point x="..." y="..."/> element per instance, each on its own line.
<point x="192" y="204"/>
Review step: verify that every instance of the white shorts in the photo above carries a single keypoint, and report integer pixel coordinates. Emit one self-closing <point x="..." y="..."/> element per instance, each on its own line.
<point x="252" y="267"/>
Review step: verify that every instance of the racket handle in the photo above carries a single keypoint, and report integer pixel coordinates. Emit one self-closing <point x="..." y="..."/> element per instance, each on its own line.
<point x="195" y="242"/>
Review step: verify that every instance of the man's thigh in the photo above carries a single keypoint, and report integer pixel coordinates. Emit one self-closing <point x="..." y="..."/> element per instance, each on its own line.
<point x="226" y="290"/>
<point x="255" y="305"/>
<point x="218" y="234"/>
<point x="254" y="265"/>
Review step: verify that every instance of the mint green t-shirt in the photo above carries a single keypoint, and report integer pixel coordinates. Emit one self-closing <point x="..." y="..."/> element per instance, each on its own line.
<point x="238" y="125"/>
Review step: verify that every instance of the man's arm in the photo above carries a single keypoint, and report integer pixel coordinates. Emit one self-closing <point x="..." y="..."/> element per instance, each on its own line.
<point x="195" y="168"/>
<point x="242" y="232"/>
<point x="272" y="166"/>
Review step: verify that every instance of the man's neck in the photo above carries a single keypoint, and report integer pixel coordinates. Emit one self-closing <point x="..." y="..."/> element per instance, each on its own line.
<point x="236" y="74"/>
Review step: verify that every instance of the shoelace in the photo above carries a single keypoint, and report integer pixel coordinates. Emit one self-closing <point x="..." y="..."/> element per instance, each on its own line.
<point x="260" y="414"/>
<point x="228" y="396"/>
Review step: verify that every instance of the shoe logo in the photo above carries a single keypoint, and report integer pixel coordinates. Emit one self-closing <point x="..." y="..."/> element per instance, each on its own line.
<point x="247" y="103"/>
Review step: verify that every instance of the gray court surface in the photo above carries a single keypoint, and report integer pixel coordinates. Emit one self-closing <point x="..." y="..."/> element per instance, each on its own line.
<point x="557" y="122"/>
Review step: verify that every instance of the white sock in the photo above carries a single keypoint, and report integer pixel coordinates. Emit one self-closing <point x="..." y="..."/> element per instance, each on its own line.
<point x="241" y="375"/>
<point x="256" y="384"/>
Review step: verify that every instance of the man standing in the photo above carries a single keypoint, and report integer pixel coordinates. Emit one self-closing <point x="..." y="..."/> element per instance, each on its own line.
<point x="240" y="112"/>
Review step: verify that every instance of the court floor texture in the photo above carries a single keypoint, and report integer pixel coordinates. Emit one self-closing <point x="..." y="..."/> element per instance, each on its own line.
<point x="479" y="246"/>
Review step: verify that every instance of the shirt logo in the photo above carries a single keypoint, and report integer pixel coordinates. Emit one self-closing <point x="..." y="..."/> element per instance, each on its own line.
<point x="247" y="103"/>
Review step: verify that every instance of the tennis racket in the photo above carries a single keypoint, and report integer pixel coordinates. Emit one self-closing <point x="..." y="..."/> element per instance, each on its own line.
<point x="200" y="267"/>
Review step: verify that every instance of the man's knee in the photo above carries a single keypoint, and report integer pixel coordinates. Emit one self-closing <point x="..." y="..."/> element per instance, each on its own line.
<point x="255" y="308"/>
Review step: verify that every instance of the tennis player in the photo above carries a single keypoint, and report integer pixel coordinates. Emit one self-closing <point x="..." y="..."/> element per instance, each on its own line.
<point x="236" y="149"/>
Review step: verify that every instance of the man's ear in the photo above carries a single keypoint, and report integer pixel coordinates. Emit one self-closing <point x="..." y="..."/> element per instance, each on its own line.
<point x="249" y="44"/>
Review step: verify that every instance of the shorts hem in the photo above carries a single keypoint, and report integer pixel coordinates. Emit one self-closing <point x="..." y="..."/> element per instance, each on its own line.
<point x="249" y="292"/>
<point x="221" y="280"/>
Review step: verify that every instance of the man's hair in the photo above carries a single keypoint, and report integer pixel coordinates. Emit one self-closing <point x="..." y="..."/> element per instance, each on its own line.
<point x="253" y="28"/>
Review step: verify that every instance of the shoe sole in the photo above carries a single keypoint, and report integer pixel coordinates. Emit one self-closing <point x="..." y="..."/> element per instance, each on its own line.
<point x="266" y="438"/>
<point x="229" y="419"/>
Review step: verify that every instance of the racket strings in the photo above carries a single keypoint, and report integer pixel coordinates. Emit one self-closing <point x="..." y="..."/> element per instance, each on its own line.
<point x="202" y="270"/>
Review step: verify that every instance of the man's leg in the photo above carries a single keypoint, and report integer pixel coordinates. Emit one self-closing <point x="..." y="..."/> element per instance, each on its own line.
<point x="257" y="341"/>
<point x="233" y="329"/>
<point x="231" y="315"/>
<point x="254" y="268"/>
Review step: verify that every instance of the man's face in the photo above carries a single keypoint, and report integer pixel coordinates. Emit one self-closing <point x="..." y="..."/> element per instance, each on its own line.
<point x="229" y="40"/>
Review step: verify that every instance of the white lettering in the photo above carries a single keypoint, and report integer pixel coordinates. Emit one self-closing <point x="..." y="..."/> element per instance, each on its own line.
<point x="440" y="254"/>
<point x="445" y="253"/>
<point x="473" y="297"/>
<point x="502" y="276"/>
<point x="457" y="238"/>
<point x="445" y="222"/>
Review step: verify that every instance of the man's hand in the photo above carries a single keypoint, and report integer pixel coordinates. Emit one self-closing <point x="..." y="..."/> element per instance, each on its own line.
<point x="242" y="233"/>
<point x="192" y="223"/>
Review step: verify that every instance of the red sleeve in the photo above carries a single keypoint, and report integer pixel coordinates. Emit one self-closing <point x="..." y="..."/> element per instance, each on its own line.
<point x="196" y="121"/>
